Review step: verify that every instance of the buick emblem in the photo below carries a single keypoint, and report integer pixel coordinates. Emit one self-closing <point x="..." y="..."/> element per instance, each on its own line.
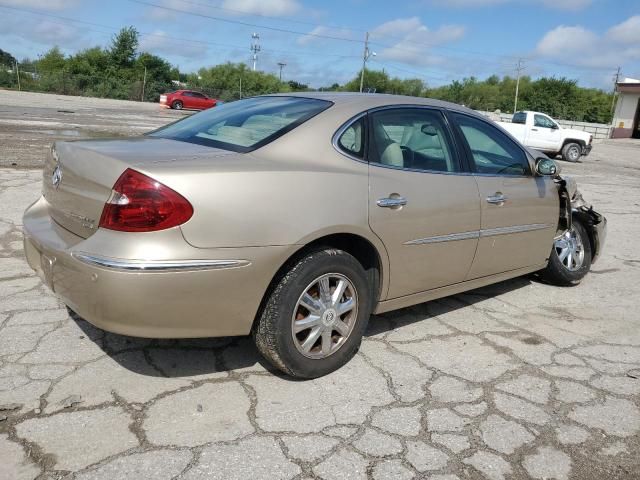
<point x="56" y="176"/>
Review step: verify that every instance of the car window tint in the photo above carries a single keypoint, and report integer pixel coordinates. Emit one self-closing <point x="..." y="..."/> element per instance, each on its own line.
<point x="542" y="121"/>
<point x="244" y="125"/>
<point x="187" y="94"/>
<point x="352" y="139"/>
<point x="519" y="117"/>
<point x="412" y="138"/>
<point x="492" y="151"/>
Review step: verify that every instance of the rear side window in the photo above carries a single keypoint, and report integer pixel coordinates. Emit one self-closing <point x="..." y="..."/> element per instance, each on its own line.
<point x="352" y="139"/>
<point x="244" y="125"/>
<point x="519" y="117"/>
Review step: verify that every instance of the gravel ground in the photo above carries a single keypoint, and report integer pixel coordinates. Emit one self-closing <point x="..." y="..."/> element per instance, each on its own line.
<point x="516" y="380"/>
<point x="29" y="122"/>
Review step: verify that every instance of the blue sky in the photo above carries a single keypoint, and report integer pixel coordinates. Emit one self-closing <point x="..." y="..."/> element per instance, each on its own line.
<point x="322" y="42"/>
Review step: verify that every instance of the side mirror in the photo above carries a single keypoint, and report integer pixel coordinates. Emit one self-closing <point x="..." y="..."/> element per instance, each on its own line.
<point x="555" y="127"/>
<point x="546" y="167"/>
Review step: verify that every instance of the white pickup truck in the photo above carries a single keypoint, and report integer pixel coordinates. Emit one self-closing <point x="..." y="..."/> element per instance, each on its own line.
<point x="539" y="131"/>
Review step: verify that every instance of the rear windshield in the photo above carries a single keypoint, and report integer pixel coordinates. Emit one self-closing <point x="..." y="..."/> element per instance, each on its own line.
<point x="519" y="117"/>
<point x="244" y="125"/>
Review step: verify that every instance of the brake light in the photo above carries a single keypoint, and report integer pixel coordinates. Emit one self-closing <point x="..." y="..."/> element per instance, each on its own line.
<point x="139" y="203"/>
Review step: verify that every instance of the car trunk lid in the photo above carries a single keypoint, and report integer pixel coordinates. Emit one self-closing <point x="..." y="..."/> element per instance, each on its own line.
<point x="78" y="176"/>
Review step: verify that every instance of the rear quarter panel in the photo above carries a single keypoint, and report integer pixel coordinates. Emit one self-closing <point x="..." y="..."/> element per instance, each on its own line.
<point x="288" y="192"/>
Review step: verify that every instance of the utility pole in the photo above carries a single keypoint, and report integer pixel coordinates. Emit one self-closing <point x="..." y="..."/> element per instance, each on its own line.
<point x="616" y="77"/>
<point x="255" y="48"/>
<point x="519" y="68"/>
<point x="366" y="54"/>
<point x="18" y="75"/>
<point x="240" y="88"/>
<point x="281" y="65"/>
<point x="144" y="81"/>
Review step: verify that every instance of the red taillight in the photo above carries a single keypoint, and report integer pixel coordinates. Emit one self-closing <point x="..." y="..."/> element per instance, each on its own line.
<point x="141" y="204"/>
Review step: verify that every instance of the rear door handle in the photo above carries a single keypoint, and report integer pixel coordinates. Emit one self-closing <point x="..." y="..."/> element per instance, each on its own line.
<point x="497" y="199"/>
<point x="391" y="202"/>
<point x="534" y="129"/>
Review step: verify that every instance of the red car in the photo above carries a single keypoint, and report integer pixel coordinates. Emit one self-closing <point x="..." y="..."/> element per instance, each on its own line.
<point x="187" y="99"/>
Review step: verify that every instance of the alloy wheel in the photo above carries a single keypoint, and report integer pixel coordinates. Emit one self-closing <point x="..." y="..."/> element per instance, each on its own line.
<point x="570" y="250"/>
<point x="324" y="316"/>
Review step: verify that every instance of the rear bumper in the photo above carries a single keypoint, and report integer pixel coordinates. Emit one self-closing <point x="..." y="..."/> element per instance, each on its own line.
<point x="206" y="293"/>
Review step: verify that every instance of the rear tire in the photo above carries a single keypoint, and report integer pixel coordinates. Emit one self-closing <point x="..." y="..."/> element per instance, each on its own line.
<point x="312" y="342"/>
<point x="572" y="152"/>
<point x="177" y="105"/>
<point x="570" y="258"/>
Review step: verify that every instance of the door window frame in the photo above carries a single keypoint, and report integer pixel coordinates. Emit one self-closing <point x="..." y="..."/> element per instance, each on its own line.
<point x="456" y="151"/>
<point x="467" y="155"/>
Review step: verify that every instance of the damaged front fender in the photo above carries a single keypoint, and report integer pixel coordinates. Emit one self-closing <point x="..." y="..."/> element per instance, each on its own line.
<point x="573" y="207"/>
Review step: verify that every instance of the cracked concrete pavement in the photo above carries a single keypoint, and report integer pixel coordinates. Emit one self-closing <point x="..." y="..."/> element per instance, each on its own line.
<point x="515" y="380"/>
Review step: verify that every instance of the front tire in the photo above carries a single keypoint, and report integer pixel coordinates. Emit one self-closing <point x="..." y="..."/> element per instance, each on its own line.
<point x="570" y="258"/>
<point x="572" y="152"/>
<point x="313" y="321"/>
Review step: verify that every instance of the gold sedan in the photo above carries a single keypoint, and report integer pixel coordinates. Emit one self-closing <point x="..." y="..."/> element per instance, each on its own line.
<point x="294" y="217"/>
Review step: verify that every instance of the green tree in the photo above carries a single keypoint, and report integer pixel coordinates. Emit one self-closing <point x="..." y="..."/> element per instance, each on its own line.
<point x="6" y="59"/>
<point x="124" y="46"/>
<point x="52" y="61"/>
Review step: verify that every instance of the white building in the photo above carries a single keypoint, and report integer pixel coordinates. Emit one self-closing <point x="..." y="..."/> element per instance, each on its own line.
<point x="626" y="118"/>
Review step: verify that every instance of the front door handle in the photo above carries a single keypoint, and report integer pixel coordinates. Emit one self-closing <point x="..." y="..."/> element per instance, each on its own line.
<point x="497" y="199"/>
<point x="391" y="202"/>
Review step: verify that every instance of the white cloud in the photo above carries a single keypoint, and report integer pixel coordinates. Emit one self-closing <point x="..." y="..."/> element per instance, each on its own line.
<point x="576" y="45"/>
<point x="567" y="41"/>
<point x="159" y="43"/>
<point x="46" y="32"/>
<point x="271" y="8"/>
<point x="411" y="40"/>
<point x="40" y="4"/>
<point x="555" y="4"/>
<point x="627" y="32"/>
<point x="573" y="5"/>
<point x="323" y="31"/>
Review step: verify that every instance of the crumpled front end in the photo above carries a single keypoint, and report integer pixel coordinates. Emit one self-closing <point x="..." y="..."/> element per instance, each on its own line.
<point x="574" y="207"/>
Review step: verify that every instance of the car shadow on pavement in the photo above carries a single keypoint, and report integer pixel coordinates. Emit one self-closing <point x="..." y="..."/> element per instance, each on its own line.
<point x="205" y="357"/>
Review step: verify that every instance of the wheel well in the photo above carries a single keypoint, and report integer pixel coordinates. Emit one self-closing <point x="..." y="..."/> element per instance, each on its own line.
<point x="574" y="140"/>
<point x="359" y="247"/>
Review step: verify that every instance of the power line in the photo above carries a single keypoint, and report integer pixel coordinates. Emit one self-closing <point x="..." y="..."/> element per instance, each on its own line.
<point x="246" y="24"/>
<point x="68" y="21"/>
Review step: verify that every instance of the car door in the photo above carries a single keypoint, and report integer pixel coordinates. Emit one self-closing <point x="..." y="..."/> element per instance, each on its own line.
<point x="200" y="101"/>
<point x="545" y="134"/>
<point x="421" y="205"/>
<point x="519" y="211"/>
<point x="189" y="100"/>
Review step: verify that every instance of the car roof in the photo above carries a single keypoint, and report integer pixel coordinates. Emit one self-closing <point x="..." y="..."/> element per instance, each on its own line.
<point x="372" y="100"/>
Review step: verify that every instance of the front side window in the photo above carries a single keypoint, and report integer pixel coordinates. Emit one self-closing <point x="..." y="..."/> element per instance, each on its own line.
<point x="542" y="121"/>
<point x="244" y="125"/>
<point x="412" y="138"/>
<point x="491" y="150"/>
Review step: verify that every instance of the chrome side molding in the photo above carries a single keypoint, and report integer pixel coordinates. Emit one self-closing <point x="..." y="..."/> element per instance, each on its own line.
<point x="489" y="232"/>
<point x="157" y="265"/>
